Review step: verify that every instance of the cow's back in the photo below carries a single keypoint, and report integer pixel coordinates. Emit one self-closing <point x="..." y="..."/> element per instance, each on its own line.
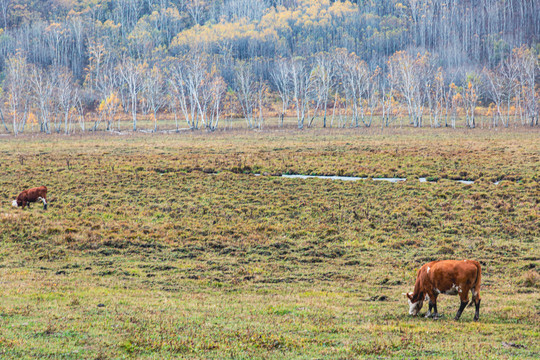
<point x="448" y="274"/>
<point x="38" y="191"/>
<point x="33" y="194"/>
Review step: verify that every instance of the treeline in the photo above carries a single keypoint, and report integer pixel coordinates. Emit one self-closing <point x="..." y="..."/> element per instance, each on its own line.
<point x="339" y="61"/>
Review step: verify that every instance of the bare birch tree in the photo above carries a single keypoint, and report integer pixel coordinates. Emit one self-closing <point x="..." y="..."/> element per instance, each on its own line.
<point x="262" y="94"/>
<point x="302" y="85"/>
<point x="495" y="87"/>
<point x="154" y="91"/>
<point x="408" y="77"/>
<point x="281" y="76"/>
<point x="435" y="97"/>
<point x="386" y="89"/>
<point x="246" y="88"/>
<point x="17" y="90"/>
<point x="132" y="73"/>
<point x="355" y="76"/>
<point x="510" y="72"/>
<point x="79" y="108"/>
<point x="65" y="94"/>
<point x="324" y="81"/>
<point x="43" y="87"/>
<point x="526" y="64"/>
<point x="187" y="79"/>
<point x="216" y="88"/>
<point x="178" y="82"/>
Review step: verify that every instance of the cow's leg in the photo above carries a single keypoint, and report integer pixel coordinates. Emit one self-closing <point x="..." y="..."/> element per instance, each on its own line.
<point x="433" y="306"/>
<point x="24" y="204"/>
<point x="464" y="297"/>
<point x="476" y="298"/>
<point x="477" y="313"/>
<point x="44" y="202"/>
<point x="461" y="308"/>
<point x="428" y="314"/>
<point x="435" y="312"/>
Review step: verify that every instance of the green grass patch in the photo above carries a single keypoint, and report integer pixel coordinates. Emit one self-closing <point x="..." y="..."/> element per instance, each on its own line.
<point x="169" y="246"/>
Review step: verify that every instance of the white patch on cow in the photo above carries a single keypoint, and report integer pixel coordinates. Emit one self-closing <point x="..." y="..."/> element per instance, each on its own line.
<point x="413" y="307"/>
<point x="14" y="203"/>
<point x="453" y="290"/>
<point x="437" y="290"/>
<point x="428" y="269"/>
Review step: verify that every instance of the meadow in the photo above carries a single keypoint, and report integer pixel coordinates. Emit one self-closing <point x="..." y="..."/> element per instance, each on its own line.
<point x="160" y="246"/>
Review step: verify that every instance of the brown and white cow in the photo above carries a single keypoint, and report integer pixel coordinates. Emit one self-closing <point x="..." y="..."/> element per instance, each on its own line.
<point x="31" y="195"/>
<point x="451" y="277"/>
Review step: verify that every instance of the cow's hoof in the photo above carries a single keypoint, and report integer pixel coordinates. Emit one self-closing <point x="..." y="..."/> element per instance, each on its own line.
<point x="475" y="319"/>
<point x="436" y="317"/>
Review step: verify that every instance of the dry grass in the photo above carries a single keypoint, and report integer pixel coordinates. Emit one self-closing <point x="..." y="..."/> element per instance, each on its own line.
<point x="145" y="253"/>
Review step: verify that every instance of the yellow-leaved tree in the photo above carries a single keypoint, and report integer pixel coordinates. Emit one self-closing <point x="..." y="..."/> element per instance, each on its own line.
<point x="32" y="120"/>
<point x="108" y="108"/>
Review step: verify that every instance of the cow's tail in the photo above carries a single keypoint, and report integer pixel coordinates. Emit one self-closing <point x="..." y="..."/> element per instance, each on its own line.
<point x="476" y="285"/>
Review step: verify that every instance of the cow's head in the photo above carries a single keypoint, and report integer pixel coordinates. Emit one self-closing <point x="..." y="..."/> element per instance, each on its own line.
<point x="415" y="305"/>
<point x="15" y="203"/>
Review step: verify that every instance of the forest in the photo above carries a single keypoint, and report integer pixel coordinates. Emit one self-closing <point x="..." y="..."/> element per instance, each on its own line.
<point x="80" y="65"/>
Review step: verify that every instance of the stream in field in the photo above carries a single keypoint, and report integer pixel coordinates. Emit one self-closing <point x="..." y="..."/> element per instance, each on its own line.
<point x="355" y="178"/>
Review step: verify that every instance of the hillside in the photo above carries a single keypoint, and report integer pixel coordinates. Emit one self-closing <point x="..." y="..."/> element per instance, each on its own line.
<point x="202" y="60"/>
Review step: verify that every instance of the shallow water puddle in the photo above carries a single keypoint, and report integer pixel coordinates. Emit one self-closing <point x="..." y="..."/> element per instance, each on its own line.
<point x="468" y="182"/>
<point x="344" y="178"/>
<point x="354" y="178"/>
<point x="394" y="180"/>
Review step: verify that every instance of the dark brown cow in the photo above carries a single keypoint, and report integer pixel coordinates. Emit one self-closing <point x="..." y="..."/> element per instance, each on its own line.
<point x="30" y="196"/>
<point x="452" y="277"/>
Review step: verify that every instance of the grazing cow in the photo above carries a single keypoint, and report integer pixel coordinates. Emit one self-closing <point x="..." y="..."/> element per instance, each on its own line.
<point x="451" y="277"/>
<point x="30" y="196"/>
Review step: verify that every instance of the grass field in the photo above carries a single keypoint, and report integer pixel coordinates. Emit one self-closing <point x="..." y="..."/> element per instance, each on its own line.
<point x="167" y="246"/>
